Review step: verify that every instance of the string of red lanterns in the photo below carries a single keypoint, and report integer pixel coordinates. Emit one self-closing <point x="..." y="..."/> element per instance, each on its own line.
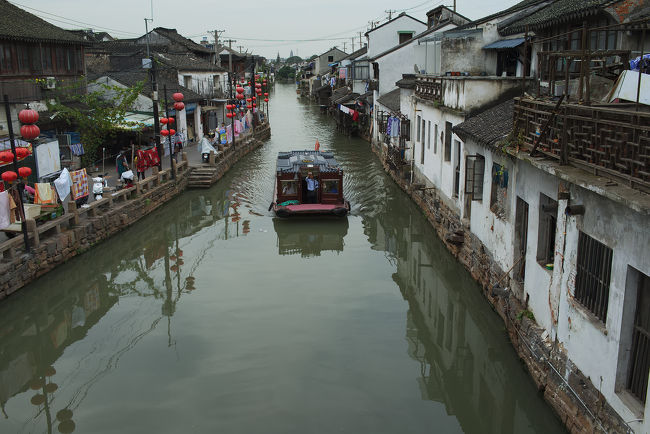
<point x="28" y="131"/>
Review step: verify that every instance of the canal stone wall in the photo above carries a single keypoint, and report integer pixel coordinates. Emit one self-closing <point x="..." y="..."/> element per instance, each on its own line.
<point x="573" y="396"/>
<point x="83" y="228"/>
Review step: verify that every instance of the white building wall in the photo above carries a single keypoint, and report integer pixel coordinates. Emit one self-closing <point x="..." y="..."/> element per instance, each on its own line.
<point x="593" y="346"/>
<point x="386" y="36"/>
<point x="203" y="83"/>
<point x="435" y="169"/>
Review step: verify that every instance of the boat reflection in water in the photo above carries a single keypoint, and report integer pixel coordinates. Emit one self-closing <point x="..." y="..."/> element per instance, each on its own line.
<point x="309" y="237"/>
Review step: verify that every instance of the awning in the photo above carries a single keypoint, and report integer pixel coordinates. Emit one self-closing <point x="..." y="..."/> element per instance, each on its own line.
<point x="504" y="44"/>
<point x="135" y="121"/>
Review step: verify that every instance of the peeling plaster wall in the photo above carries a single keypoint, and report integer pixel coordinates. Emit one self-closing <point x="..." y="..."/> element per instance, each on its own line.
<point x="627" y="233"/>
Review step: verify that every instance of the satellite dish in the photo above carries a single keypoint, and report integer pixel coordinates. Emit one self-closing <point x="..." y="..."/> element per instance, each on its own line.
<point x="415" y="68"/>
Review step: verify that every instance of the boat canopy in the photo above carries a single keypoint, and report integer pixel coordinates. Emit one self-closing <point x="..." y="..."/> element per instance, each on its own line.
<point x="293" y="161"/>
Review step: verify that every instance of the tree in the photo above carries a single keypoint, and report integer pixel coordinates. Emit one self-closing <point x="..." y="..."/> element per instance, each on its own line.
<point x="292" y="60"/>
<point x="286" y="72"/>
<point x="94" y="113"/>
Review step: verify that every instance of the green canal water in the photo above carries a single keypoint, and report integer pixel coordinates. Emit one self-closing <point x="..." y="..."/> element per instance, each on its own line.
<point x="211" y="315"/>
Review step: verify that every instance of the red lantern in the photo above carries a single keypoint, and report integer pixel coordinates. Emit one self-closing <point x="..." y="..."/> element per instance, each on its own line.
<point x="228" y="115"/>
<point x="172" y="132"/>
<point x="170" y="120"/>
<point x="178" y="106"/>
<point x="164" y="121"/>
<point x="6" y="156"/>
<point x="28" y="116"/>
<point x="178" y="97"/>
<point x="24" y="172"/>
<point x="254" y="105"/>
<point x="266" y="94"/>
<point x="254" y="98"/>
<point x="240" y="96"/>
<point x="266" y="100"/>
<point x="22" y="152"/>
<point x="9" y="176"/>
<point x="249" y="107"/>
<point x="240" y="89"/>
<point x="164" y="133"/>
<point x="30" y="132"/>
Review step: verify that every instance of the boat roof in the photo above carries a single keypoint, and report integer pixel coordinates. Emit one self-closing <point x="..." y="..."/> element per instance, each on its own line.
<point x="292" y="161"/>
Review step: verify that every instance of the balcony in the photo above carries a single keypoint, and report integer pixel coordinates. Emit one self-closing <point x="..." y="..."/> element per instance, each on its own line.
<point x="465" y="93"/>
<point x="611" y="140"/>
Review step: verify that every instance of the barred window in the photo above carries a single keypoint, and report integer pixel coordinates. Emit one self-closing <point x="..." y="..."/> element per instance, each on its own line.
<point x="594" y="270"/>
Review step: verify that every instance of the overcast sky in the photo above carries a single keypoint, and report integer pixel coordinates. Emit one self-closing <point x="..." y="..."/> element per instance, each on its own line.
<point x="264" y="27"/>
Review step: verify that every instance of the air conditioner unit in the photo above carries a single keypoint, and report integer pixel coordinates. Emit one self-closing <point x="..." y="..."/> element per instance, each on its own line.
<point x="50" y="82"/>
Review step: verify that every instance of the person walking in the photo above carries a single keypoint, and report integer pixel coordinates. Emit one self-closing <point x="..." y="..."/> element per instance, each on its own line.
<point x="312" y="188"/>
<point x="121" y="164"/>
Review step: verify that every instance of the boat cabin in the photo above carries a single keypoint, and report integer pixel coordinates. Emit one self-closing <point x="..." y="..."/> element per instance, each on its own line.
<point x="291" y="183"/>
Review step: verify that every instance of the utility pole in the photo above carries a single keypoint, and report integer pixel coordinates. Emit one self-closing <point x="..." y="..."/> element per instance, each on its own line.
<point x="240" y="48"/>
<point x="360" y="43"/>
<point x="454" y="5"/>
<point x="352" y="41"/>
<point x="391" y="11"/>
<point x="229" y="42"/>
<point x="216" y="46"/>
<point x="154" y="100"/>
<point x="344" y="43"/>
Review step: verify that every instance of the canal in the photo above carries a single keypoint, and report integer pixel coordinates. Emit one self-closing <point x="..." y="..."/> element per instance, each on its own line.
<point x="210" y="315"/>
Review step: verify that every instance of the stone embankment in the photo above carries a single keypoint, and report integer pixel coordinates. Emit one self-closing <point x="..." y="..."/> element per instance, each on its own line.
<point x="576" y="400"/>
<point x="77" y="231"/>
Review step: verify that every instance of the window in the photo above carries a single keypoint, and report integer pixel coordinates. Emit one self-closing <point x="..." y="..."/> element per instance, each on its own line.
<point x="474" y="174"/>
<point x="448" y="141"/>
<point x="593" y="272"/>
<point x="429" y="135"/>
<point x="418" y="129"/>
<point x="60" y="59"/>
<point x="435" y="139"/>
<point x="499" y="191"/>
<point x="639" y="362"/>
<point x="330" y="59"/>
<point x="187" y="81"/>
<point x="405" y="36"/>
<point x="546" y="230"/>
<point x="424" y="132"/>
<point x="289" y="187"/>
<point x="47" y="59"/>
<point x="361" y="72"/>
<point x="6" y="59"/>
<point x="23" y="58"/>
<point x="331" y="186"/>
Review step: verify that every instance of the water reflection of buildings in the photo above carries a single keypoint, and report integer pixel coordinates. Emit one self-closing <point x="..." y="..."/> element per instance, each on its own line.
<point x="452" y="335"/>
<point x="309" y="237"/>
<point x="40" y="323"/>
<point x="33" y="340"/>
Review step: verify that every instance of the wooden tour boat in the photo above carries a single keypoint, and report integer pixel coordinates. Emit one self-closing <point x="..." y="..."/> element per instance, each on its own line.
<point x="290" y="197"/>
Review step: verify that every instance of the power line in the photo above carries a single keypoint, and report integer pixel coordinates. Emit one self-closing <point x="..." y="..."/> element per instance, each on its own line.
<point x="71" y="20"/>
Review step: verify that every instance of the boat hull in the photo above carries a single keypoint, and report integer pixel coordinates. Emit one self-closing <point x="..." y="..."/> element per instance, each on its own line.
<point x="312" y="209"/>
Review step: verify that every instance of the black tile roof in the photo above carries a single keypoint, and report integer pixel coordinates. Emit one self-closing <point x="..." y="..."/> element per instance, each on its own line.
<point x="406" y="82"/>
<point x="390" y="100"/>
<point x="187" y="62"/>
<point x="557" y="12"/>
<point x="131" y="78"/>
<point x="490" y="126"/>
<point x="356" y="54"/>
<point x="174" y="36"/>
<point x="18" y="24"/>
<point x="515" y="8"/>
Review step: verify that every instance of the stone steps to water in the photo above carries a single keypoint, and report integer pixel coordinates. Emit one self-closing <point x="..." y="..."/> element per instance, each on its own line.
<point x="202" y="177"/>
